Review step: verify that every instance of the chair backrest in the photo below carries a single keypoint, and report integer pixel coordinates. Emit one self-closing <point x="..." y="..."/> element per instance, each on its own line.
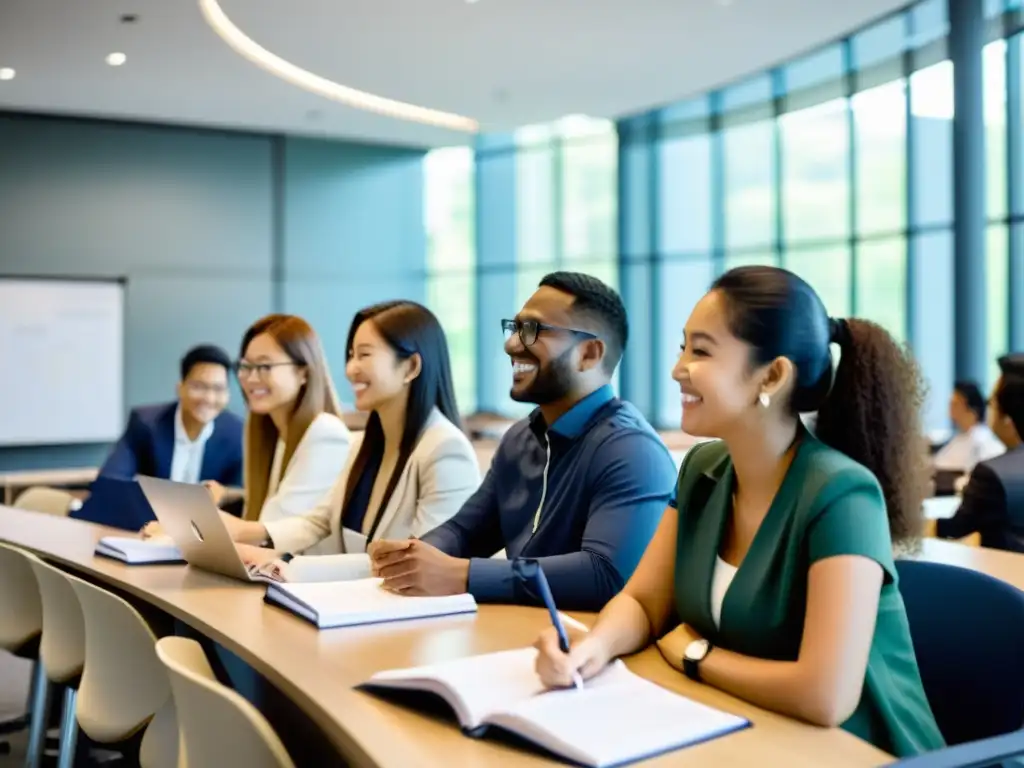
<point x="21" y="611"/>
<point x="124" y="687"/>
<point x="63" y="646"/>
<point x="52" y="501"/>
<point x="218" y="726"/>
<point x="968" y="635"/>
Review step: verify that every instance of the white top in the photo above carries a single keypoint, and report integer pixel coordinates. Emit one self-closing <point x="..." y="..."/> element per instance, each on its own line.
<point x="720" y="581"/>
<point x="311" y="471"/>
<point x="187" y="460"/>
<point x="969" y="448"/>
<point x="441" y="474"/>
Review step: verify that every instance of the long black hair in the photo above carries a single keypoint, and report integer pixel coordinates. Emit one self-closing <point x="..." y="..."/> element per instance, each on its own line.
<point x="869" y="410"/>
<point x="409" y="329"/>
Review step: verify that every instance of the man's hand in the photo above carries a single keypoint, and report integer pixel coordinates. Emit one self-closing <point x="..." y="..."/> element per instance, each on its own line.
<point x="151" y="530"/>
<point x="412" y="567"/>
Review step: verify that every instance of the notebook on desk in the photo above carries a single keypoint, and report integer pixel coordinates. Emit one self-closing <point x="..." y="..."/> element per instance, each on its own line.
<point x="135" y="551"/>
<point x="617" y="718"/>
<point x="330" y="604"/>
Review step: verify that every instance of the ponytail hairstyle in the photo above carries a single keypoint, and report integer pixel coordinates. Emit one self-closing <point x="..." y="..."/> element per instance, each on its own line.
<point x="868" y="406"/>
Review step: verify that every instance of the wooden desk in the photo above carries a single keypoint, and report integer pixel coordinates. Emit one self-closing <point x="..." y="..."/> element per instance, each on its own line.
<point x="1008" y="566"/>
<point x="317" y="670"/>
<point x="12" y="483"/>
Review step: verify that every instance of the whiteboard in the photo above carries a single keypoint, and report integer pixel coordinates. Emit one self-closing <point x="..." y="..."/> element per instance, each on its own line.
<point x="61" y="361"/>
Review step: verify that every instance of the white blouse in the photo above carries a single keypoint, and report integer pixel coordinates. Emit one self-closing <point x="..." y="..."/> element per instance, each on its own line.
<point x="720" y="581"/>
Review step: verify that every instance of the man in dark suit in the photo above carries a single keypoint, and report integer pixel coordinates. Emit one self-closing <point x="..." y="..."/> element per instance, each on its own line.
<point x="191" y="440"/>
<point x="993" y="502"/>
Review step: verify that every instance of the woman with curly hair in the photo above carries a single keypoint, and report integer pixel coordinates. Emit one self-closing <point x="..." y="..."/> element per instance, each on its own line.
<point x="771" y="575"/>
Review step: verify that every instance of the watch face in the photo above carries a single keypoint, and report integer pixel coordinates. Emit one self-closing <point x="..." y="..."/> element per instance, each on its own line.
<point x="697" y="650"/>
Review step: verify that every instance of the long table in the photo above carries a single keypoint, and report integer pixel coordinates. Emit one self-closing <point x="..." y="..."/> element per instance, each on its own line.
<point x="317" y="671"/>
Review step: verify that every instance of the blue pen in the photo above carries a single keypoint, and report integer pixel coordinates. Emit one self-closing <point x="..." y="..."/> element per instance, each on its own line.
<point x="531" y="572"/>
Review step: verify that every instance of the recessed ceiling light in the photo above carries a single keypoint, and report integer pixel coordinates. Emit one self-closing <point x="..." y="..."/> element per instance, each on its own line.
<point x="116" y="59"/>
<point x="6" y="73"/>
<point x="471" y="2"/>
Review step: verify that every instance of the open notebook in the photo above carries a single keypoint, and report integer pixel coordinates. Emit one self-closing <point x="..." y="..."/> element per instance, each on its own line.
<point x="363" y="601"/>
<point x="135" y="551"/>
<point x="617" y="718"/>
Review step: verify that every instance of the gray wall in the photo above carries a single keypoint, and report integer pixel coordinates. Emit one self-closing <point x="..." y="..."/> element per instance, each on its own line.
<point x="210" y="230"/>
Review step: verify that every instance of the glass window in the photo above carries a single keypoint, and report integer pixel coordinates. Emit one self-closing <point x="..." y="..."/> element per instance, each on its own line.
<point x="879" y="42"/>
<point x="451" y="257"/>
<point x="756" y="90"/>
<point x="880" y="127"/>
<point x="684" y="196"/>
<point x="881" y="275"/>
<point x="934" y="331"/>
<point x="1018" y="170"/>
<point x="815" y="184"/>
<point x="535" y="205"/>
<point x="997" y="276"/>
<point x="931" y="107"/>
<point x="759" y="258"/>
<point x="683" y="283"/>
<point x="818" y="67"/>
<point x="929" y="22"/>
<point x="749" y="152"/>
<point x="828" y="272"/>
<point x="590" y="196"/>
<point x="994" y="95"/>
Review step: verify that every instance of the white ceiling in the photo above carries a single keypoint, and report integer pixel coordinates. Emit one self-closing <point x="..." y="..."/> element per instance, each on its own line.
<point x="503" y="62"/>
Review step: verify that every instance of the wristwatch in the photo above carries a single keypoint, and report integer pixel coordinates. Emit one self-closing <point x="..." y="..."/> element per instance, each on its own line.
<point x="694" y="654"/>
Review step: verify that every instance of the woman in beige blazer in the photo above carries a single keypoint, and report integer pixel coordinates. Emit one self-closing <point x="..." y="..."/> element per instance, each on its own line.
<point x="410" y="470"/>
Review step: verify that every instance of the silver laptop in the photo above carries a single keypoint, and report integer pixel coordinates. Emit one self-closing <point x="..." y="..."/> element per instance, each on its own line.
<point x="188" y="515"/>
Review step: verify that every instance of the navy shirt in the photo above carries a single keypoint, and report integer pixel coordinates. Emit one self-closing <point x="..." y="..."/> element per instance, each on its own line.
<point x="609" y="480"/>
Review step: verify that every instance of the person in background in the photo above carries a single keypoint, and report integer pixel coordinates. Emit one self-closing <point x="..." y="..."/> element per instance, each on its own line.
<point x="579" y="485"/>
<point x="974" y="442"/>
<point x="408" y="472"/>
<point x="993" y="500"/>
<point x="295" y="440"/>
<point x="193" y="439"/>
<point x="771" y="575"/>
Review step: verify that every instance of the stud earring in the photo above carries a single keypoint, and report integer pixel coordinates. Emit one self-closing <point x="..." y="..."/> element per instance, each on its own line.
<point x="765" y="399"/>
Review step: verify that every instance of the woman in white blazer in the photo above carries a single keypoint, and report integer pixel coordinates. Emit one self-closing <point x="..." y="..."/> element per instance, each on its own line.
<point x="295" y="440"/>
<point x="409" y="471"/>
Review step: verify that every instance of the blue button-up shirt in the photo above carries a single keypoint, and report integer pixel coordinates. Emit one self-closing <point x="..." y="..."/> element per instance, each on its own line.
<point x="609" y="479"/>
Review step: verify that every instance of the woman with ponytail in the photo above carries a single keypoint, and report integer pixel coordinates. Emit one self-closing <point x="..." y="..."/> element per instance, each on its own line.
<point x="771" y="575"/>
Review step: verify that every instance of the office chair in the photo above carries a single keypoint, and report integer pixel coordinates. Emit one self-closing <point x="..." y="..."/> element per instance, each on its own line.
<point x="968" y="635"/>
<point x="52" y="501"/>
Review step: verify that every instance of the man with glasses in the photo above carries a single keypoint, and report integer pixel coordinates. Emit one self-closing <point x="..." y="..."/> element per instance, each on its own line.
<point x="191" y="440"/>
<point x="580" y="485"/>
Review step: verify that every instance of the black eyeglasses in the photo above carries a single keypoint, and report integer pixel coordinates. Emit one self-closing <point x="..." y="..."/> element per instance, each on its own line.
<point x="528" y="330"/>
<point x="243" y="370"/>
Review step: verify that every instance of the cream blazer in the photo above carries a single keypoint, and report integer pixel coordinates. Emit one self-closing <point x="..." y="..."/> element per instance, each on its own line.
<point x="319" y="456"/>
<point x="441" y="473"/>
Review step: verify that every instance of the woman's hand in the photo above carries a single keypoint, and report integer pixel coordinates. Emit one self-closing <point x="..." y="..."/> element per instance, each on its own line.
<point x="673" y="645"/>
<point x="587" y="656"/>
<point x="256" y="556"/>
<point x="217" y="491"/>
<point x="151" y="530"/>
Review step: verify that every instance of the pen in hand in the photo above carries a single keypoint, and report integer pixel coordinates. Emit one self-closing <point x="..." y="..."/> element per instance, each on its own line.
<point x="531" y="572"/>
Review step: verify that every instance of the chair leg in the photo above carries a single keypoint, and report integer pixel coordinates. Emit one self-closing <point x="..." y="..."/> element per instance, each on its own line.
<point x="37" y="724"/>
<point x="68" y="730"/>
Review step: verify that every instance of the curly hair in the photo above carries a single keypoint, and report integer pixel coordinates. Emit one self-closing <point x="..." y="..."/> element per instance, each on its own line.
<point x="872" y="415"/>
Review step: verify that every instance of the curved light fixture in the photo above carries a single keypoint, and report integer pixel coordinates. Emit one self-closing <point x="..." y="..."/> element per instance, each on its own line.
<point x="321" y="86"/>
